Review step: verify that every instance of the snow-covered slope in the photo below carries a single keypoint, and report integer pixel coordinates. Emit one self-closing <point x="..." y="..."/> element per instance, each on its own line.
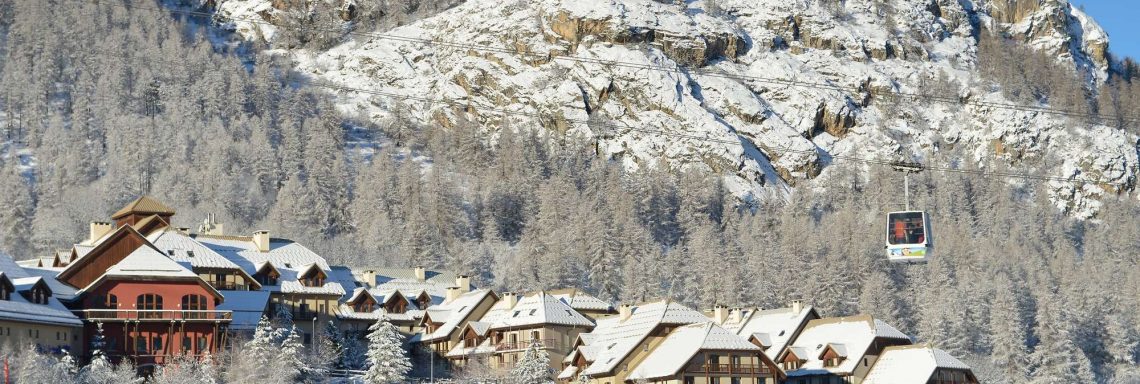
<point x="738" y="115"/>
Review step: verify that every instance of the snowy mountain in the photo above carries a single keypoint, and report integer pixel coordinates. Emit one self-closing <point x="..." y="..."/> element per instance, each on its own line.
<point x="766" y="92"/>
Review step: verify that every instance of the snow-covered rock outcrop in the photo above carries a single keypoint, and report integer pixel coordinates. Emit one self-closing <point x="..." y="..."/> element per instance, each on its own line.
<point x="766" y="92"/>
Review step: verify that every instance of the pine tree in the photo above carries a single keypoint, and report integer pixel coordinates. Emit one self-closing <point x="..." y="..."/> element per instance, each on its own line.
<point x="533" y="368"/>
<point x="290" y="354"/>
<point x="1008" y="332"/>
<point x="388" y="363"/>
<point x="1056" y="359"/>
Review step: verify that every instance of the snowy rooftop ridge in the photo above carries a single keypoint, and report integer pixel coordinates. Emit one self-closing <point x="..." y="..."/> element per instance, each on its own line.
<point x="851" y="337"/>
<point x="911" y="364"/>
<point x="682" y="344"/>
<point x="614" y="337"/>
<point x="535" y="309"/>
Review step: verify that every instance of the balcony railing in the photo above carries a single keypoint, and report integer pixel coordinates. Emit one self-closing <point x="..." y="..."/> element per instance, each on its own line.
<point x="542" y="343"/>
<point x="229" y="286"/>
<point x="153" y="315"/>
<point x="742" y="369"/>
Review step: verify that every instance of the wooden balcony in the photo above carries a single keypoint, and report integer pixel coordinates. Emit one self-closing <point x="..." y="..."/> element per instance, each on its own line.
<point x="152" y="315"/>
<point x="521" y="345"/>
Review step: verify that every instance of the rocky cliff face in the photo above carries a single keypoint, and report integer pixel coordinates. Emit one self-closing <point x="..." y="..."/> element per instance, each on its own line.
<point x="770" y="92"/>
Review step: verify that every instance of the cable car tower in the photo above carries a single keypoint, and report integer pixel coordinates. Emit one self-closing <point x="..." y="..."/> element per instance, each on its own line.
<point x="908" y="237"/>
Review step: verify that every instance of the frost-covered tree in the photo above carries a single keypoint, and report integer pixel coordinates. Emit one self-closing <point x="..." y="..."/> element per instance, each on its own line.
<point x="388" y="362"/>
<point x="290" y="354"/>
<point x="186" y="370"/>
<point x="1008" y="332"/>
<point x="100" y="370"/>
<point x="533" y="367"/>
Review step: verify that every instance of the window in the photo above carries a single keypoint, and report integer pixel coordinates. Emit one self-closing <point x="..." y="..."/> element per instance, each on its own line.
<point x="905" y="228"/>
<point x="148" y="304"/>
<point x="5" y="293"/>
<point x="307" y="338"/>
<point x="534" y="335"/>
<point x="140" y="344"/>
<point x="190" y="253"/>
<point x="156" y="343"/>
<point x="734" y="380"/>
<point x="109" y="301"/>
<point x="191" y="304"/>
<point x="689" y="380"/>
<point x="187" y="344"/>
<point x="201" y="344"/>
<point x="832" y="362"/>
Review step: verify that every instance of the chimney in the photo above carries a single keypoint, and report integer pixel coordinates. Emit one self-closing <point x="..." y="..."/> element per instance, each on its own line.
<point x="736" y="315"/>
<point x="421" y="273"/>
<point x="452" y="294"/>
<point x="797" y="306"/>
<point x="210" y="226"/>
<point x="98" y="230"/>
<point x="624" y="312"/>
<point x="463" y="282"/>
<point x="369" y="277"/>
<point x="511" y="298"/>
<point x="720" y="314"/>
<point x="261" y="240"/>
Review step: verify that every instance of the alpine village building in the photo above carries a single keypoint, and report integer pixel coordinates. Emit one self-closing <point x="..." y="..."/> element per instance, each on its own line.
<point x="156" y="292"/>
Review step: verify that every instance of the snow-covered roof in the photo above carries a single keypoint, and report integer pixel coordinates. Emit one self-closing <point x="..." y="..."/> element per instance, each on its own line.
<point x="853" y="335"/>
<point x="773" y="327"/>
<point x="183" y="248"/>
<point x="910" y="364"/>
<point x="291" y="260"/>
<point x="615" y="339"/>
<point x="435" y="283"/>
<point x="534" y="310"/>
<point x="343" y="276"/>
<point x="247" y="307"/>
<point x="455" y="312"/>
<point x="682" y="344"/>
<point x="26" y="283"/>
<point x="16" y="308"/>
<point x="58" y="289"/>
<point x="581" y="301"/>
<point x="149" y="262"/>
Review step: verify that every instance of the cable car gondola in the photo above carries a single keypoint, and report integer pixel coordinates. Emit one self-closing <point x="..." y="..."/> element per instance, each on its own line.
<point x="908" y="236"/>
<point x="908" y="232"/>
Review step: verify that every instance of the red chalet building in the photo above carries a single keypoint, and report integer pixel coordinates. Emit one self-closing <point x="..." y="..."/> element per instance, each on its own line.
<point x="150" y="307"/>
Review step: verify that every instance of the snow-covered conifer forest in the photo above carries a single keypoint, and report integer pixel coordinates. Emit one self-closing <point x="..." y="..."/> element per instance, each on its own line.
<point x="1035" y="280"/>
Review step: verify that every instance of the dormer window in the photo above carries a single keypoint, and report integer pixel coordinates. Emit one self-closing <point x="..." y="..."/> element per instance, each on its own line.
<point x="832" y="362"/>
<point x="313" y="277"/>
<point x="267" y="275"/>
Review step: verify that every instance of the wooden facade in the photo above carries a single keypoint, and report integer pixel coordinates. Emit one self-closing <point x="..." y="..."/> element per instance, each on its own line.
<point x="90" y="267"/>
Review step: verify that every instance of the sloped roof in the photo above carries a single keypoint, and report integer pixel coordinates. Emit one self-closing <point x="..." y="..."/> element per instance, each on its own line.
<point x="910" y="364"/>
<point x="149" y="262"/>
<point x="615" y="339"/>
<point x="682" y="344"/>
<point x="291" y="259"/>
<point x="435" y="282"/>
<point x="533" y="310"/>
<point x="773" y="327"/>
<point x="183" y="248"/>
<point x="581" y="301"/>
<point x="19" y="309"/>
<point x="455" y="312"/>
<point x="246" y="306"/>
<point x="144" y="204"/>
<point x="855" y="334"/>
